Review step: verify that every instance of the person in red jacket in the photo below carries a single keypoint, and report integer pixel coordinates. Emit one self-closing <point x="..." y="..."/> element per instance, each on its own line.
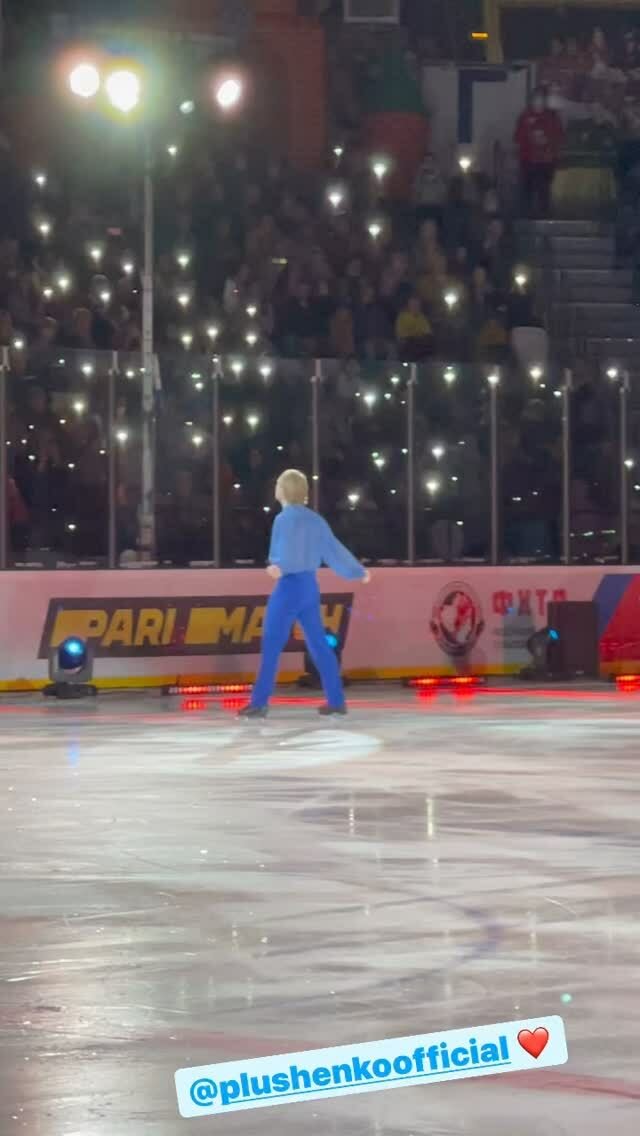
<point x="539" y="135"/>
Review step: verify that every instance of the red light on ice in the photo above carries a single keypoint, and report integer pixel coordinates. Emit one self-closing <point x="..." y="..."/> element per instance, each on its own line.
<point x="428" y="682"/>
<point x="629" y="684"/>
<point x="234" y="703"/>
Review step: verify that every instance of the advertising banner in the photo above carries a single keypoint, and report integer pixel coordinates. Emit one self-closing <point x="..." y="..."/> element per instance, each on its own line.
<point x="148" y="627"/>
<point x="164" y="627"/>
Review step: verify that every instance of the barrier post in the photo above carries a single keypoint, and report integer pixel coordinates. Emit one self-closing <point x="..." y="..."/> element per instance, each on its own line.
<point x="411" y="464"/>
<point x="112" y="540"/>
<point x="4" y="470"/>
<point x="215" y="459"/>
<point x="316" y="381"/>
<point x="624" y="469"/>
<point x="147" y="522"/>
<point x="493" y="380"/>
<point x="566" y="467"/>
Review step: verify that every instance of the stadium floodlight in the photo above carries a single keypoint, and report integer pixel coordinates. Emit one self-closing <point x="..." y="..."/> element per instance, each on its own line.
<point x="84" y="80"/>
<point x="228" y="92"/>
<point x="123" y="89"/>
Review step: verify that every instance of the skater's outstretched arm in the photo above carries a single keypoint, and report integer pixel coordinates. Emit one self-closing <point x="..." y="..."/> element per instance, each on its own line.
<point x="337" y="557"/>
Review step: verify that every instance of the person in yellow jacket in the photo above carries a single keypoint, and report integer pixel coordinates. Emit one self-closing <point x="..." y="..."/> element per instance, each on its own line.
<point x="413" y="330"/>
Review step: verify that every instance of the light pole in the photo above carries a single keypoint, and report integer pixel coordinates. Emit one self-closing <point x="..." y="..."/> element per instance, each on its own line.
<point x="147" y="538"/>
<point x="123" y="88"/>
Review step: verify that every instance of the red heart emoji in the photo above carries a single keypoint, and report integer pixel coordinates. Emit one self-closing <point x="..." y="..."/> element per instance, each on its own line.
<point x="534" y="1042"/>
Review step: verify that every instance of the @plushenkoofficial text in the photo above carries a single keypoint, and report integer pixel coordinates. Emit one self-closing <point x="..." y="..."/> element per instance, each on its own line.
<point x="422" y="1059"/>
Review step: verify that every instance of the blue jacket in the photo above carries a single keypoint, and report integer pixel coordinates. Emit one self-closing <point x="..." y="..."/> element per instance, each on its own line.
<point x="301" y="541"/>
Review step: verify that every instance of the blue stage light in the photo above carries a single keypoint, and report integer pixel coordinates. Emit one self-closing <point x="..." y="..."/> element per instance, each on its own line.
<point x="72" y="654"/>
<point x="70" y="670"/>
<point x="311" y="679"/>
<point x="543" y="650"/>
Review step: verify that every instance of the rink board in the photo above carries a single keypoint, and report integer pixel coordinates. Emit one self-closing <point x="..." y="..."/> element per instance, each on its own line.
<point x="149" y="627"/>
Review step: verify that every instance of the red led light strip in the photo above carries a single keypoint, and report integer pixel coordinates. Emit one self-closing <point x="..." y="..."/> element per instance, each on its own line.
<point x="444" y="682"/>
<point x="210" y="688"/>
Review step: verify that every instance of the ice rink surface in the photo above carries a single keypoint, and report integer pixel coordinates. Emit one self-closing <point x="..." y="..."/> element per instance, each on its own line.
<point x="177" y="888"/>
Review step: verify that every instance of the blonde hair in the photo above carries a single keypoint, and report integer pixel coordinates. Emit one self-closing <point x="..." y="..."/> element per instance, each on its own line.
<point x="293" y="487"/>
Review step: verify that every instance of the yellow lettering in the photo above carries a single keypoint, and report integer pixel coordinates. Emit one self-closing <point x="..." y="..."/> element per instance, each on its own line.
<point x="253" y="629"/>
<point x="333" y="622"/>
<point x="86" y="624"/>
<point x="207" y="624"/>
<point x="149" y="627"/>
<point x="120" y="629"/>
<point x="169" y="626"/>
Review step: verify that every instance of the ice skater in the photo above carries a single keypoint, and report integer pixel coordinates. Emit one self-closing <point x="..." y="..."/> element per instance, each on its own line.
<point x="301" y="541"/>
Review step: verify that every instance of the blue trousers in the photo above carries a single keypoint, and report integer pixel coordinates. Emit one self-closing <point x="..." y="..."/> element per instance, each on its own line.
<point x="296" y="599"/>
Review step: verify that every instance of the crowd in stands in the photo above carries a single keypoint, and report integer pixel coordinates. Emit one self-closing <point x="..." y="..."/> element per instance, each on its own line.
<point x="579" y="140"/>
<point x="252" y="257"/>
<point x="258" y="262"/>
<point x="597" y="69"/>
<point x="253" y="260"/>
<point x="248" y="248"/>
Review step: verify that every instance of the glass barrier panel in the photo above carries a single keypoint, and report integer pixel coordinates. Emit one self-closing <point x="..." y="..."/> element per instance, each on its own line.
<point x="59" y="464"/>
<point x="632" y="466"/>
<point x="363" y="415"/>
<point x="530" y="465"/>
<point x="264" y="428"/>
<point x="452" y="464"/>
<point x="184" y="462"/>
<point x="595" y="466"/>
<point x="57" y="426"/>
<point x="128" y="447"/>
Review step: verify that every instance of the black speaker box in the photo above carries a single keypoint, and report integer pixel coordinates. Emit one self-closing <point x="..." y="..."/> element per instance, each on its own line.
<point x="576" y="651"/>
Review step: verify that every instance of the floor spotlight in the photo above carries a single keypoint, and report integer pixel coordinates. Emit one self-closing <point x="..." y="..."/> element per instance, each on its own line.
<point x="543" y="648"/>
<point x="310" y="680"/>
<point x="70" y="670"/>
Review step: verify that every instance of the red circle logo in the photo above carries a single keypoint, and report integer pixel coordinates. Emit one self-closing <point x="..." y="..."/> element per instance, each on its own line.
<point x="456" y="620"/>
